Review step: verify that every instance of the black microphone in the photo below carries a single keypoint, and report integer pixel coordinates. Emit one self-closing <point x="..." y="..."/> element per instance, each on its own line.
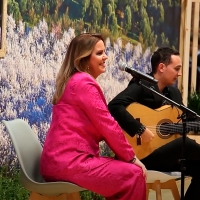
<point x="136" y="74"/>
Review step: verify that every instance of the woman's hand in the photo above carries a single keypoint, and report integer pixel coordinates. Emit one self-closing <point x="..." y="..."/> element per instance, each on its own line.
<point x="140" y="164"/>
<point x="147" y="135"/>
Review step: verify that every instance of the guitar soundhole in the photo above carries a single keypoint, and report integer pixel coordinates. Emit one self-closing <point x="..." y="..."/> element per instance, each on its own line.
<point x="163" y="128"/>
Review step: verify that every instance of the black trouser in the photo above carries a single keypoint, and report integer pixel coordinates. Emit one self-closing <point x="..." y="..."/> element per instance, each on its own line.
<point x="166" y="159"/>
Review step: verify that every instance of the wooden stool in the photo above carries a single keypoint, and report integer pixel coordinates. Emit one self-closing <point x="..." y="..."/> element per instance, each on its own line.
<point x="159" y="180"/>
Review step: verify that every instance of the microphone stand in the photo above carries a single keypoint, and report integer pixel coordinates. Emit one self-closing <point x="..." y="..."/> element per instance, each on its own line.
<point x="184" y="116"/>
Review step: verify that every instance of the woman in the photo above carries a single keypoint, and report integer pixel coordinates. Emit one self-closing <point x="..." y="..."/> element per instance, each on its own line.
<point x="80" y="120"/>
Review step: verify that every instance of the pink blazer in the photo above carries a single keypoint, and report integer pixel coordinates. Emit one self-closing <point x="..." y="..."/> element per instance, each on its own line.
<point x="80" y="120"/>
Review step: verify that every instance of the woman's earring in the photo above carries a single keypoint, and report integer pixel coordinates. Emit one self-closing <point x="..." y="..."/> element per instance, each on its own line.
<point x="88" y="69"/>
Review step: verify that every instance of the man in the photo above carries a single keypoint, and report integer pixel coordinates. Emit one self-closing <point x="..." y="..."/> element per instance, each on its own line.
<point x="166" y="67"/>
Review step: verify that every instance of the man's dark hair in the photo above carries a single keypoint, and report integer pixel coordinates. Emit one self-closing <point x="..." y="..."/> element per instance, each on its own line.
<point x="162" y="55"/>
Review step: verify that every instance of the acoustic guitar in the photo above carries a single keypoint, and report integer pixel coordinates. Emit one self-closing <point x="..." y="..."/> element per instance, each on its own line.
<point x="163" y="122"/>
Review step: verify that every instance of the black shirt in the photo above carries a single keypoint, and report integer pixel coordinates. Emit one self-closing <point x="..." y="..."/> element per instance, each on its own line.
<point x="136" y="93"/>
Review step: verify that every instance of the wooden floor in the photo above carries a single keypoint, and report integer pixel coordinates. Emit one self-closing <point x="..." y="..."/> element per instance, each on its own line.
<point x="166" y="194"/>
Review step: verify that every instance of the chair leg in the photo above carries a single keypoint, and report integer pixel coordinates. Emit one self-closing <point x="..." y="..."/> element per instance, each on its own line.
<point x="36" y="196"/>
<point x="157" y="187"/>
<point x="72" y="196"/>
<point x="175" y="191"/>
<point x="171" y="184"/>
<point x="148" y="187"/>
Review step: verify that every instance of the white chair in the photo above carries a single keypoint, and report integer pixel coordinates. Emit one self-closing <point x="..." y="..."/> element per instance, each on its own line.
<point x="28" y="150"/>
<point x="160" y="180"/>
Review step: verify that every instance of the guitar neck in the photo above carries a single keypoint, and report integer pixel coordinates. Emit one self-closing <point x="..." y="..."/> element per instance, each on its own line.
<point x="177" y="127"/>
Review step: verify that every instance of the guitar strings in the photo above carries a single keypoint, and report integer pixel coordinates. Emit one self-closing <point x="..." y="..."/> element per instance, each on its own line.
<point x="174" y="127"/>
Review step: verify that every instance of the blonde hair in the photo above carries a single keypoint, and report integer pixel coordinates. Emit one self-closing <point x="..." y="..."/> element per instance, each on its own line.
<point x="76" y="59"/>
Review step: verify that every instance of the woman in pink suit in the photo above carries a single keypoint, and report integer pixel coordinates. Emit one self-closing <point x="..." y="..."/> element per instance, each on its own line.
<point x="80" y="120"/>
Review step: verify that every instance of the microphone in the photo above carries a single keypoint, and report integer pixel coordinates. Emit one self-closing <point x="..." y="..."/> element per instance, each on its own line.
<point x="136" y="74"/>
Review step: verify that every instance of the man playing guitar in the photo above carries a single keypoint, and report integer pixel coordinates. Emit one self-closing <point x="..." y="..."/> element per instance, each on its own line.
<point x="166" y="68"/>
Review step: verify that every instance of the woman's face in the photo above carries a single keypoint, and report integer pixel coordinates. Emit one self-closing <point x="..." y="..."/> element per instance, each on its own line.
<point x="97" y="60"/>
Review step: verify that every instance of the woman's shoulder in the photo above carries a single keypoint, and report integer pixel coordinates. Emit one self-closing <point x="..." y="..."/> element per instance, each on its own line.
<point x="81" y="81"/>
<point x="82" y="77"/>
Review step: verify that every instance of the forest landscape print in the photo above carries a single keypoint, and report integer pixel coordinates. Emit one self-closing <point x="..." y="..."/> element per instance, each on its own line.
<point x="38" y="35"/>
